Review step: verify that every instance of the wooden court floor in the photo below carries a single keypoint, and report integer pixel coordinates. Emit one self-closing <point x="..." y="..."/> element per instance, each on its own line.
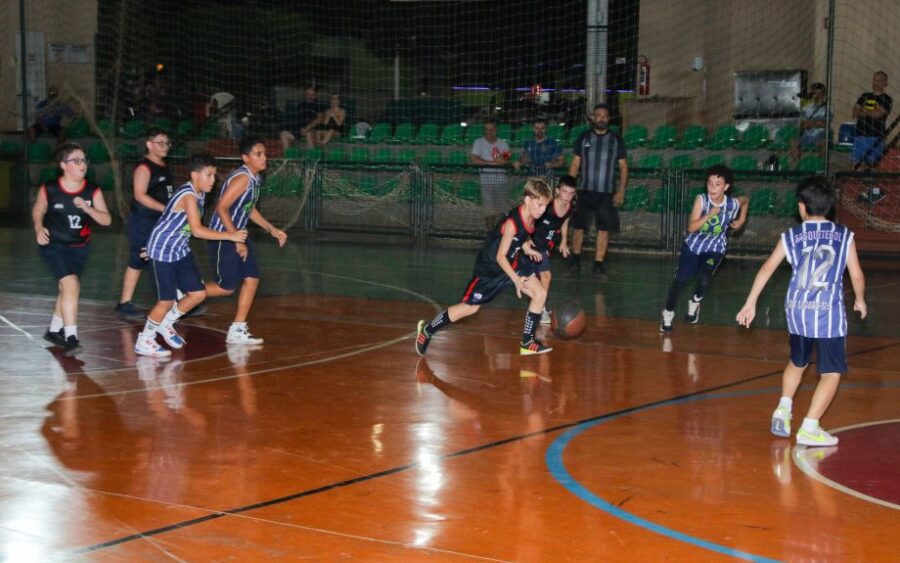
<point x="334" y="441"/>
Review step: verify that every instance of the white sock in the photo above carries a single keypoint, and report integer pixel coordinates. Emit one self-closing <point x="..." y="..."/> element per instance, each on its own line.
<point x="810" y="424"/>
<point x="56" y="323"/>
<point x="786" y="402"/>
<point x="150" y="327"/>
<point x="71" y="331"/>
<point x="172" y="316"/>
<point x="237" y="326"/>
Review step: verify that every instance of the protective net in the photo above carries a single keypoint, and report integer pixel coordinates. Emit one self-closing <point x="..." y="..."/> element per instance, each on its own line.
<point x="689" y="83"/>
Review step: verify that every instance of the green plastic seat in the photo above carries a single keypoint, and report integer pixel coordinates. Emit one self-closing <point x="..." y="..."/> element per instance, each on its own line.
<point x="165" y="124"/>
<point x="78" y="128"/>
<point x="788" y="205"/>
<point x="663" y="138"/>
<point x="453" y="134"/>
<point x="556" y="131"/>
<point x="681" y="162"/>
<point x="744" y="162"/>
<point x="636" y="198"/>
<point x="10" y="148"/>
<point x="433" y="157"/>
<point x="811" y="163"/>
<point x="428" y="134"/>
<point x="51" y="173"/>
<point x="762" y="202"/>
<point x="39" y="152"/>
<point x="693" y="137"/>
<point x="406" y="156"/>
<point x="184" y="127"/>
<point x="314" y="154"/>
<point x="635" y="136"/>
<point x="380" y="133"/>
<point x="404" y="134"/>
<point x="521" y="134"/>
<point x="755" y="137"/>
<point x="105" y="127"/>
<point x="784" y="136"/>
<point x="654" y="161"/>
<point x="470" y="190"/>
<point x="660" y="198"/>
<point x="335" y="153"/>
<point x="504" y="131"/>
<point x="457" y="158"/>
<point x="108" y="181"/>
<point x="383" y="156"/>
<point x="368" y="184"/>
<point x="293" y="153"/>
<point x="359" y="155"/>
<point x="714" y="159"/>
<point x="134" y="129"/>
<point x="474" y="131"/>
<point x="576" y="132"/>
<point x="688" y="204"/>
<point x="97" y="153"/>
<point x="725" y="136"/>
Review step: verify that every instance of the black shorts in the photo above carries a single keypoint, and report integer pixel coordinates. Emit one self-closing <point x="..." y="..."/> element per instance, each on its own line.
<point x="690" y="264"/>
<point x="593" y="205"/>
<point x="139" y="229"/>
<point x="172" y="276"/>
<point x="483" y="289"/>
<point x="64" y="260"/>
<point x="831" y="353"/>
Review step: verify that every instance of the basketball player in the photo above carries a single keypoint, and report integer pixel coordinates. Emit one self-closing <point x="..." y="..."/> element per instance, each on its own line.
<point x="152" y="190"/>
<point x="818" y="251"/>
<point x="499" y="265"/>
<point x="713" y="214"/>
<point x="173" y="266"/>
<point x="62" y="213"/>
<point x="553" y="228"/>
<point x="235" y="262"/>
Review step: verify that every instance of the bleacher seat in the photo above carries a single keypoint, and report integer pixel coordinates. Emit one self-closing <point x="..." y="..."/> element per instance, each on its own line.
<point x="335" y="153"/>
<point x="403" y="134"/>
<point x="359" y="155"/>
<point x="663" y="138"/>
<point x="725" y="136"/>
<point x="433" y="157"/>
<point x="660" y="198"/>
<point x="78" y="129"/>
<point x="406" y="156"/>
<point x="453" y="134"/>
<point x="744" y="162"/>
<point x="654" y="161"/>
<point x="784" y="136"/>
<point x="556" y="131"/>
<point x="470" y="190"/>
<point x="50" y="173"/>
<point x="788" y="205"/>
<point x="383" y="156"/>
<point x="504" y="131"/>
<point x="128" y="152"/>
<point x="10" y="149"/>
<point x="688" y="203"/>
<point x="755" y="137"/>
<point x="293" y="152"/>
<point x="693" y="137"/>
<point x="474" y="131"/>
<point x="575" y="132"/>
<point x="458" y="158"/>
<point x="380" y="133"/>
<point x="636" y="198"/>
<point x="635" y="136"/>
<point x="314" y="154"/>
<point x="762" y="202"/>
<point x="428" y="134"/>
<point x="134" y="129"/>
<point x="520" y="135"/>
<point x="811" y="163"/>
<point x="105" y="127"/>
<point x="681" y="162"/>
<point x="712" y="160"/>
<point x="39" y="152"/>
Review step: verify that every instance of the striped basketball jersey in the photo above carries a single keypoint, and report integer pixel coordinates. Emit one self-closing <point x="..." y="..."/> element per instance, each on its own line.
<point x="171" y="234"/>
<point x="243" y="205"/>
<point x="814" y="304"/>
<point x="486" y="262"/>
<point x="712" y="235"/>
<point x="600" y="156"/>
<point x="67" y="224"/>
<point x="159" y="187"/>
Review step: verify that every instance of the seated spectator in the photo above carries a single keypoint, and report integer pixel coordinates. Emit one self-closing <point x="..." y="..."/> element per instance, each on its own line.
<point x="301" y="122"/>
<point x="813" y="121"/>
<point x="330" y="123"/>
<point x="541" y="153"/>
<point x="50" y="114"/>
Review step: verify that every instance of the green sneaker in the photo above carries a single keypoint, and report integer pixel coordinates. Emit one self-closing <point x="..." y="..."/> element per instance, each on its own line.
<point x="815" y="438"/>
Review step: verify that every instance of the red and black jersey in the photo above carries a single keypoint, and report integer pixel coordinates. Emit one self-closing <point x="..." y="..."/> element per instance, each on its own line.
<point x="67" y="224"/>
<point x="160" y="188"/>
<point x="486" y="263"/>
<point x="547" y="229"/>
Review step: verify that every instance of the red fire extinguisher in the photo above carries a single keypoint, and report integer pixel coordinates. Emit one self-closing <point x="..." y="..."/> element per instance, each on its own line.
<point x="643" y="76"/>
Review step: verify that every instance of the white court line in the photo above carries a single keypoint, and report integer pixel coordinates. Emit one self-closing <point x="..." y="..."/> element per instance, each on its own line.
<point x="10" y="323"/>
<point x="802" y="453"/>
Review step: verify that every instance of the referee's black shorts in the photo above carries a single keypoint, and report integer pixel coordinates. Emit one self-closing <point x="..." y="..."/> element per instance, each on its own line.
<point x="599" y="206"/>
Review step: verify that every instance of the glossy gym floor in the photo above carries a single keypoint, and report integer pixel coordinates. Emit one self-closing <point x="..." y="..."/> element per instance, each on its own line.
<point x="335" y="441"/>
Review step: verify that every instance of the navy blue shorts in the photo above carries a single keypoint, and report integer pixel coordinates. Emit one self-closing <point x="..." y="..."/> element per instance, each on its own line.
<point x="484" y="289"/>
<point x="543" y="265"/>
<point x="171" y="276"/>
<point x="831" y="353"/>
<point x="64" y="260"/>
<point x="690" y="264"/>
<point x="599" y="206"/>
<point x="139" y="229"/>
<point x="229" y="269"/>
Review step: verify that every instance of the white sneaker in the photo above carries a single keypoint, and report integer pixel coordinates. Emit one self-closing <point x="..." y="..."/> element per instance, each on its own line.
<point x="167" y="331"/>
<point x="240" y="335"/>
<point x="667" y="318"/>
<point x="545" y="317"/>
<point x="147" y="346"/>
<point x="693" y="311"/>
<point x="815" y="438"/>
<point x="781" y="422"/>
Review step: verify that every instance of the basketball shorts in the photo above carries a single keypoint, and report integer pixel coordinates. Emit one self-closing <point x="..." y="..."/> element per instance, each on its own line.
<point x="596" y="206"/>
<point x="543" y="265"/>
<point x="867" y="149"/>
<point x="485" y="288"/>
<point x="690" y="264"/>
<point x="139" y="229"/>
<point x="831" y="353"/>
<point x="64" y="260"/>
<point x="172" y="276"/>
<point x="230" y="269"/>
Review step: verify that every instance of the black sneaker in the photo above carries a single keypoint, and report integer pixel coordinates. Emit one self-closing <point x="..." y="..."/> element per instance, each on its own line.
<point x="599" y="269"/>
<point x="422" y="338"/>
<point x="129" y="312"/>
<point x="72" y="345"/>
<point x="533" y="347"/>
<point x="574" y="265"/>
<point x="57" y="338"/>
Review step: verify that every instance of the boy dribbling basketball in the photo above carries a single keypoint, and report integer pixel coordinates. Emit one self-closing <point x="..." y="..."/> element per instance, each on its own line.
<point x="503" y="261"/>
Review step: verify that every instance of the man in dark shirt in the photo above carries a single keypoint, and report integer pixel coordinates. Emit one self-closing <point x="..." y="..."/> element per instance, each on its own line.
<point x="300" y="122"/>
<point x="871" y="112"/>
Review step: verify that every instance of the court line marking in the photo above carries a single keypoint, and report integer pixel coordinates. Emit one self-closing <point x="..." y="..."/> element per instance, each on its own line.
<point x="801" y="461"/>
<point x="13" y="325"/>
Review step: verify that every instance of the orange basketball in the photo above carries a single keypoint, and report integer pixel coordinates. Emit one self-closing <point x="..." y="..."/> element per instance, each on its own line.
<point x="568" y="321"/>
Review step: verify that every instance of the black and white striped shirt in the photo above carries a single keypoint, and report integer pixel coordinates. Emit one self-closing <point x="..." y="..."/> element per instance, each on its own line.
<point x="600" y="156"/>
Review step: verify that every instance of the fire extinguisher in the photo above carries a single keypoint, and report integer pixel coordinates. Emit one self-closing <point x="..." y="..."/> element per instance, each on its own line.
<point x="643" y="76"/>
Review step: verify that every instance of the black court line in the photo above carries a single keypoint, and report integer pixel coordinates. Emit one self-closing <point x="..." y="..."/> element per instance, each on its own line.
<point x="451" y="455"/>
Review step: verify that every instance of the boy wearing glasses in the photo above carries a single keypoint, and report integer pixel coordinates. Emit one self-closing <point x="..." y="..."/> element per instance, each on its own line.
<point x="152" y="191"/>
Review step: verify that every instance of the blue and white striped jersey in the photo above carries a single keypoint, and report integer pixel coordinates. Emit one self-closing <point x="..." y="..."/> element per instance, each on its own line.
<point x="712" y="235"/>
<point x="171" y="234"/>
<point x="242" y="206"/>
<point x="814" y="304"/>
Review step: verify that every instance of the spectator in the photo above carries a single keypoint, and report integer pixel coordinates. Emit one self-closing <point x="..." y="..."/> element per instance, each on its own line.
<point x="300" y="123"/>
<point x="541" y="154"/>
<point x="50" y="113"/>
<point x="493" y="154"/>
<point x="813" y="123"/>
<point x="330" y="122"/>
<point x="871" y="111"/>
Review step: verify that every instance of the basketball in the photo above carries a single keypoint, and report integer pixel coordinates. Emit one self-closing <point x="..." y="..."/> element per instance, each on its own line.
<point x="568" y="320"/>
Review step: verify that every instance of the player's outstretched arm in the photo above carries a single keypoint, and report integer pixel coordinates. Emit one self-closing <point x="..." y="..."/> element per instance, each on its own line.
<point x="189" y="206"/>
<point x="258" y="219"/>
<point x="748" y="312"/>
<point x="857" y="280"/>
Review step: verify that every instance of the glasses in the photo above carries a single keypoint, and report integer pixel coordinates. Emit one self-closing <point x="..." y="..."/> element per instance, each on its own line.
<point x="78" y="161"/>
<point x="162" y="143"/>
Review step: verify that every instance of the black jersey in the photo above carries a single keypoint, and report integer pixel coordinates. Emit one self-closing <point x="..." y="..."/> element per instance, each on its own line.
<point x="160" y="188"/>
<point x="486" y="263"/>
<point x="547" y="229"/>
<point x="67" y="224"/>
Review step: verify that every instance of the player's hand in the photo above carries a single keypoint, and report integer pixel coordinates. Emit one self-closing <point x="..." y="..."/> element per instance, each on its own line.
<point x="714" y="210"/>
<point x="42" y="235"/>
<point x="564" y="250"/>
<point x="737" y="224"/>
<point x="619" y="198"/>
<point x="533" y="254"/>
<point x="241" y="249"/>
<point x="280" y="236"/>
<point x="746" y="315"/>
<point x="860" y="306"/>
<point x="239" y="236"/>
<point x="143" y="254"/>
